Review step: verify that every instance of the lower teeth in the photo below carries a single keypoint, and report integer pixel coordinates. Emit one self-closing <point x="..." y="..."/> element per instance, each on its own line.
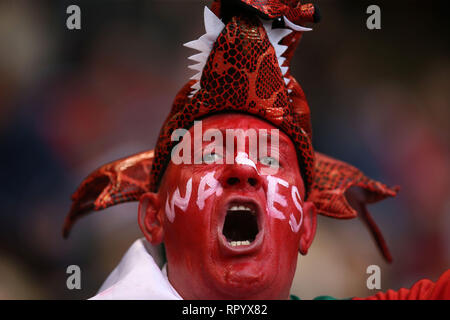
<point x="239" y="243"/>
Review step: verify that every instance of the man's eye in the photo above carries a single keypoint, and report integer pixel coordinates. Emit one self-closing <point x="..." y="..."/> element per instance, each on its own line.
<point x="269" y="161"/>
<point x="211" y="157"/>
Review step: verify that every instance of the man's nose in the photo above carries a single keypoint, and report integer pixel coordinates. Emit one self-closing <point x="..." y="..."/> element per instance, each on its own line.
<point x="240" y="176"/>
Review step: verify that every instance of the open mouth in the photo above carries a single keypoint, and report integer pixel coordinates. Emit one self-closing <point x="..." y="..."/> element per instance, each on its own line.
<point x="240" y="227"/>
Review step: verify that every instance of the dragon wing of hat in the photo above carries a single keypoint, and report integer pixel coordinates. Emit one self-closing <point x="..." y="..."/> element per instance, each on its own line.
<point x="113" y="183"/>
<point x="342" y="191"/>
<point x="337" y="189"/>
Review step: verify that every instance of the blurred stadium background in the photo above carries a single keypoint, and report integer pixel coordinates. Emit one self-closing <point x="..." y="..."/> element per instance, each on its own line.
<point x="71" y="101"/>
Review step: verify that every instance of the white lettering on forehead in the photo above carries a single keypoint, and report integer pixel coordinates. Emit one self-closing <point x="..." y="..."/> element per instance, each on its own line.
<point x="274" y="197"/>
<point x="242" y="158"/>
<point x="178" y="201"/>
<point x="207" y="187"/>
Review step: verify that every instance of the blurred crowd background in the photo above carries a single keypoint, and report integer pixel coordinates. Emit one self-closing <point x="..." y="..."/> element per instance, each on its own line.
<point x="71" y="101"/>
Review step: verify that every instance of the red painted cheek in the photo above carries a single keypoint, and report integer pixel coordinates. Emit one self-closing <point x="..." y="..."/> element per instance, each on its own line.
<point x="177" y="200"/>
<point x="209" y="186"/>
<point x="187" y="210"/>
<point x="284" y="202"/>
<point x="296" y="217"/>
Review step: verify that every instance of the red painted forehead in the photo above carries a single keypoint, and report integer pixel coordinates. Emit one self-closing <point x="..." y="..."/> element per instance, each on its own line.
<point x="245" y="122"/>
<point x="241" y="121"/>
<point x="253" y="136"/>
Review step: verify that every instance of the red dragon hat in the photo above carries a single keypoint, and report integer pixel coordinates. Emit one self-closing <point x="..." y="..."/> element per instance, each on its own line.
<point x="242" y="66"/>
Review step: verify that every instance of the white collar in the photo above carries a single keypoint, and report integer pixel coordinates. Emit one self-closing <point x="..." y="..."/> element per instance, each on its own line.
<point x="140" y="275"/>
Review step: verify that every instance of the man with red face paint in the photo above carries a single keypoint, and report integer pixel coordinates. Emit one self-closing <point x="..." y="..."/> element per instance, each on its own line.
<point x="233" y="217"/>
<point x="227" y="239"/>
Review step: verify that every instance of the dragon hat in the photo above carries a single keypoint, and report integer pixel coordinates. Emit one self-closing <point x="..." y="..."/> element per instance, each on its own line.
<point x="242" y="66"/>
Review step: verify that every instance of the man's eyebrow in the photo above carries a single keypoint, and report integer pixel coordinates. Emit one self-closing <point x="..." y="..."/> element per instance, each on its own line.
<point x="260" y="133"/>
<point x="283" y="142"/>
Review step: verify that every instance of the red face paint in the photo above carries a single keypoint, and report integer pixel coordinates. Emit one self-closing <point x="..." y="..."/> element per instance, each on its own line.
<point x="226" y="244"/>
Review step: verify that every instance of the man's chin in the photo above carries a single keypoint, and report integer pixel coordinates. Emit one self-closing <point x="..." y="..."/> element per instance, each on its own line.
<point x="243" y="279"/>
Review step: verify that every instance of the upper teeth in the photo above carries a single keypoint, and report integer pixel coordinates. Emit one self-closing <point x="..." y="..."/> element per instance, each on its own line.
<point x="240" y="208"/>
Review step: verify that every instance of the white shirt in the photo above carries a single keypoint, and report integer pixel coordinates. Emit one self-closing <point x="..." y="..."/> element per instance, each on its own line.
<point x="140" y="275"/>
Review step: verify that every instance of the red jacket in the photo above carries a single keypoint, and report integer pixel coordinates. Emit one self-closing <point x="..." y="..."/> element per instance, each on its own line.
<point x="422" y="290"/>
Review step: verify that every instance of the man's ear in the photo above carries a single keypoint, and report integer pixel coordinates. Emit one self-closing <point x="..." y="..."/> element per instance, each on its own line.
<point x="308" y="229"/>
<point x="150" y="217"/>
